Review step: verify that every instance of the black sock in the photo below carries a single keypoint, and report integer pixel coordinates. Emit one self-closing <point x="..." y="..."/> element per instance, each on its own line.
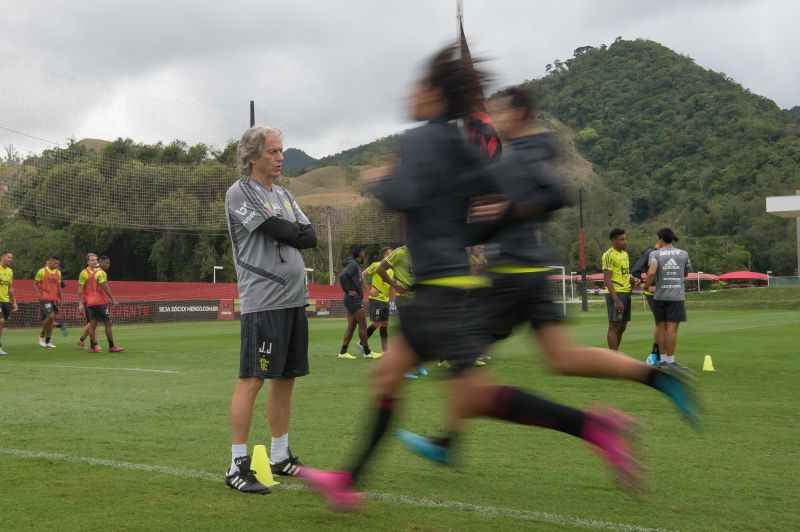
<point x="371" y="330"/>
<point x="344" y="349"/>
<point x="83" y="338"/>
<point x="93" y="342"/>
<point x="366" y="349"/>
<point x="382" y="417"/>
<point x="517" y="406"/>
<point x="110" y="344"/>
<point x="655" y="349"/>
<point x="384" y="337"/>
<point x="47" y="340"/>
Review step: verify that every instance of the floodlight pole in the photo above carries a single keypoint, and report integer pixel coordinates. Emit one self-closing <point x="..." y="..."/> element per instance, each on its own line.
<point x="252" y="113"/>
<point x="797" y="235"/>
<point x="330" y="247"/>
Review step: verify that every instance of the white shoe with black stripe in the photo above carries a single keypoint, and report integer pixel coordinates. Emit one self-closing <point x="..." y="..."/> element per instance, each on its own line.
<point x="244" y="479"/>
<point x="287" y="468"/>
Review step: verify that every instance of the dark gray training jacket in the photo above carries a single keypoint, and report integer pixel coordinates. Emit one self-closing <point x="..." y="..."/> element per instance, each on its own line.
<point x="432" y="184"/>
<point x="525" y="176"/>
<point x="350" y="277"/>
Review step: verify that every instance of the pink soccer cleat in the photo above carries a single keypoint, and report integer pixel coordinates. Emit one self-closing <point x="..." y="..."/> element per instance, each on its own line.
<point x="95" y="349"/>
<point x="81" y="343"/>
<point x="612" y="433"/>
<point x="116" y="349"/>
<point x="336" y="486"/>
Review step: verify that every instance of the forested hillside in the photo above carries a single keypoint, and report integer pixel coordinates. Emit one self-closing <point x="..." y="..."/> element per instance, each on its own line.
<point x="682" y="145"/>
<point x="652" y="138"/>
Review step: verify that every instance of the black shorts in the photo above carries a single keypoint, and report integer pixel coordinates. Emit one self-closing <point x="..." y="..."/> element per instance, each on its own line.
<point x="352" y="304"/>
<point x="444" y="324"/>
<point x="613" y="315"/>
<point x="46" y="308"/>
<point x="649" y="299"/>
<point x="672" y="311"/>
<point x="98" y="313"/>
<point x="517" y="298"/>
<point x="274" y="344"/>
<point x="6" y="308"/>
<point x="378" y="310"/>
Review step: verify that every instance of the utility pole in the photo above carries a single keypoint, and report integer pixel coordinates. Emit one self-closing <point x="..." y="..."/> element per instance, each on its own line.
<point x="582" y="253"/>
<point x="252" y="113"/>
<point x="330" y="247"/>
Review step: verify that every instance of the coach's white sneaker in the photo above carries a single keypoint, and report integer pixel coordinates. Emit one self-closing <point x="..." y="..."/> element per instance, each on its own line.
<point x="42" y="343"/>
<point x="50" y="345"/>
<point x="2" y="352"/>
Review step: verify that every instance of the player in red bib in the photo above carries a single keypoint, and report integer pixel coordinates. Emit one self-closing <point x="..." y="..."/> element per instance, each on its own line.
<point x="48" y="284"/>
<point x="95" y="297"/>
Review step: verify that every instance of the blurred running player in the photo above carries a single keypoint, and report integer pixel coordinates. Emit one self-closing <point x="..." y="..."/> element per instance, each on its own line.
<point x="518" y="268"/>
<point x="432" y="185"/>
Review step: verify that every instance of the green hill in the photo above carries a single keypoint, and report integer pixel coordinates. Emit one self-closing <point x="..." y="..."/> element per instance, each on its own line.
<point x="682" y="145"/>
<point x="295" y="160"/>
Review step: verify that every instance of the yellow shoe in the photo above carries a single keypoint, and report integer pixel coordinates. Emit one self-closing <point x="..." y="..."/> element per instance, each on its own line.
<point x="346" y="356"/>
<point x="480" y="363"/>
<point x="443" y="364"/>
<point x="374" y="355"/>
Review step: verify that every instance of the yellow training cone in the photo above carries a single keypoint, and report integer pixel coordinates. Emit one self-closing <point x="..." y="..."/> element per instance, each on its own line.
<point x="260" y="465"/>
<point x="708" y="364"/>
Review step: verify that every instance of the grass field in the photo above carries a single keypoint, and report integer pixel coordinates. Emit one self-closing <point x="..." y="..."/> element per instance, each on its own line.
<point x="84" y="446"/>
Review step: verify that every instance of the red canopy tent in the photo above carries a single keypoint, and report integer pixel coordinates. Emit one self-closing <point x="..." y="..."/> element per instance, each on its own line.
<point x="744" y="276"/>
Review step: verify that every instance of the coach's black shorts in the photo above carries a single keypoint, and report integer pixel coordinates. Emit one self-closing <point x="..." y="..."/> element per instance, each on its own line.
<point x="673" y="311"/>
<point x="352" y="304"/>
<point x="517" y="298"/>
<point x="6" y="308"/>
<point x="444" y="324"/>
<point x="615" y="316"/>
<point x="46" y="308"/>
<point x="378" y="310"/>
<point x="274" y="344"/>
<point x="98" y="312"/>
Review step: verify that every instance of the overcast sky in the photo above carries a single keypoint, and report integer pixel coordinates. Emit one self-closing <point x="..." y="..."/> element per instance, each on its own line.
<point x="331" y="74"/>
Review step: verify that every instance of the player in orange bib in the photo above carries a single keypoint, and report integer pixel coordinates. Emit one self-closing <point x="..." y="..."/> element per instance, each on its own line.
<point x="48" y="284"/>
<point x="95" y="296"/>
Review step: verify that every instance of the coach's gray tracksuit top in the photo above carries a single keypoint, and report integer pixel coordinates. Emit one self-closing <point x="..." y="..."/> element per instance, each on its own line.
<point x="267" y="228"/>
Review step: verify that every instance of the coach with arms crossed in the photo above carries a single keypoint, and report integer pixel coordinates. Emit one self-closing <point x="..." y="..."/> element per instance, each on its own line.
<point x="267" y="230"/>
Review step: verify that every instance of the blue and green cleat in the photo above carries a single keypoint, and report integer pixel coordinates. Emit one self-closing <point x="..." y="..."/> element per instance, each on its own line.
<point x="675" y="383"/>
<point x="425" y="447"/>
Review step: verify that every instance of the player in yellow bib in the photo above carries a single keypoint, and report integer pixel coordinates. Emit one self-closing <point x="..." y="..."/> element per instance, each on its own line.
<point x="380" y="295"/>
<point x="617" y="277"/>
<point x="8" y="302"/>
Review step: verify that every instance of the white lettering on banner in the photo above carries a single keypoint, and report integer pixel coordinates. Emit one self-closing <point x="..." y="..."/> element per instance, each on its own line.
<point x="188" y="308"/>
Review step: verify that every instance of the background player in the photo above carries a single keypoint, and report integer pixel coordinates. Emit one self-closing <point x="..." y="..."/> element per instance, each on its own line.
<point x="8" y="303"/>
<point x="380" y="295"/>
<point x="104" y="264"/>
<point x="95" y="296"/>
<point x="668" y="268"/>
<point x="48" y="284"/>
<point x="617" y="278"/>
<point x="639" y="271"/>
<point x="353" y="287"/>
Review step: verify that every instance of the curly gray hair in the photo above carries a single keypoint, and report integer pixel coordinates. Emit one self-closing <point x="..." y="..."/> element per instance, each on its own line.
<point x="252" y="144"/>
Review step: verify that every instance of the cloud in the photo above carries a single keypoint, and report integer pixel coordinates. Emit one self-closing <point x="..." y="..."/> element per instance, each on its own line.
<point x="330" y="74"/>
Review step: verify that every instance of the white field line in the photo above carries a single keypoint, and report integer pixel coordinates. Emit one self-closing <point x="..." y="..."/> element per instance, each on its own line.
<point x="482" y="510"/>
<point x="137" y="370"/>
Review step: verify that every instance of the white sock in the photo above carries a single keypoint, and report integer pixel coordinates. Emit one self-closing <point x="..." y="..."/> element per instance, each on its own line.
<point x="238" y="450"/>
<point x="279" y="449"/>
<point x="670" y="358"/>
